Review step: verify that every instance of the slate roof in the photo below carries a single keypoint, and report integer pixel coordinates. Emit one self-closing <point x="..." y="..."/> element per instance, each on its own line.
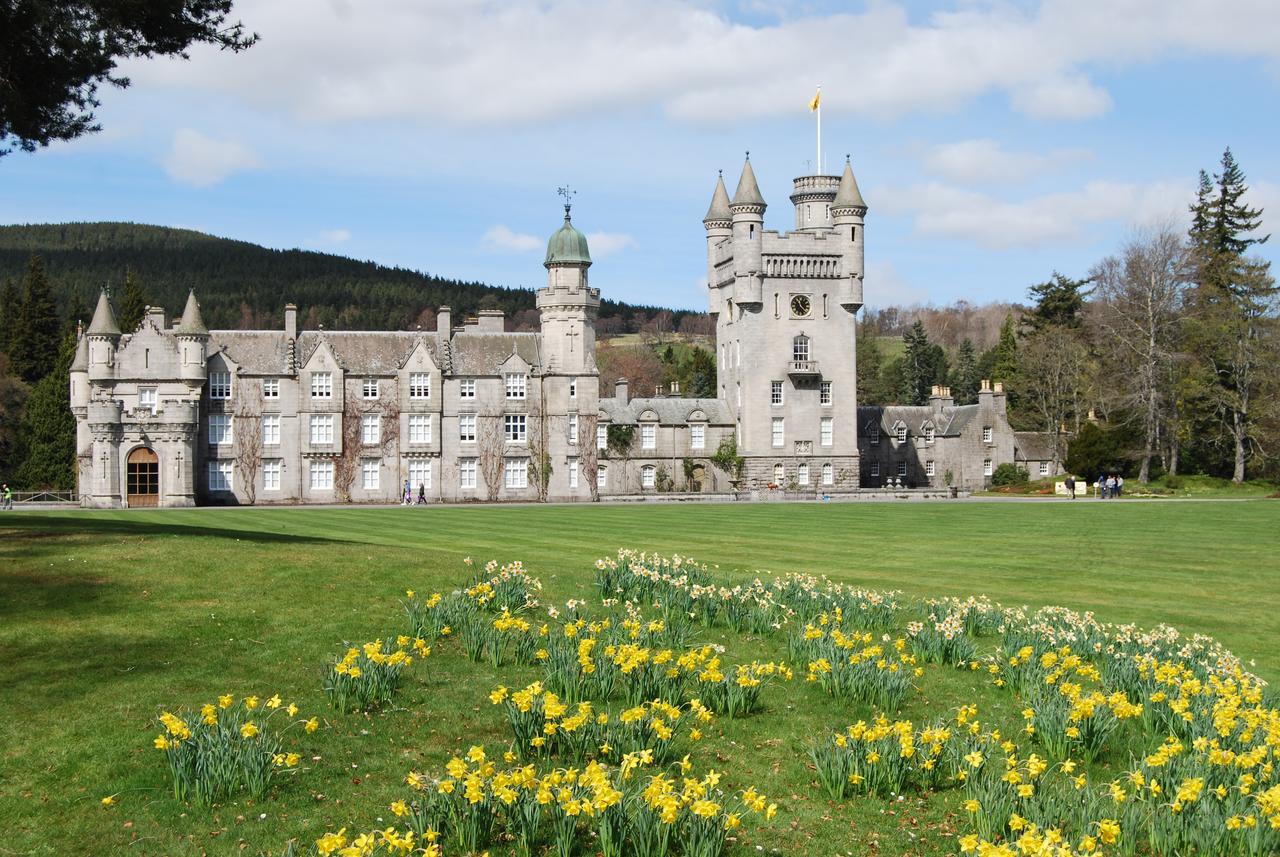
<point x="1033" y="446"/>
<point x="948" y="422"/>
<point x="671" y="410"/>
<point x="258" y="352"/>
<point x="484" y="353"/>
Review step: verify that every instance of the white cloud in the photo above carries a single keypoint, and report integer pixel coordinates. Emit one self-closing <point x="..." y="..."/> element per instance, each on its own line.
<point x="942" y="211"/>
<point x="335" y="236"/>
<point x="884" y="285"/>
<point x="202" y="161"/>
<point x="603" y="244"/>
<point x="501" y="239"/>
<point x="522" y="61"/>
<point x="986" y="162"/>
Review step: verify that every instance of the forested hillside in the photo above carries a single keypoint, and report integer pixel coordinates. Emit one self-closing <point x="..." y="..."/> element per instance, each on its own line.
<point x="245" y="285"/>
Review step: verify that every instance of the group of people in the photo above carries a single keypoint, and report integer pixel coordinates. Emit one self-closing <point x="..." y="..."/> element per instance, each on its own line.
<point x="1109" y="486"/>
<point x="406" y="496"/>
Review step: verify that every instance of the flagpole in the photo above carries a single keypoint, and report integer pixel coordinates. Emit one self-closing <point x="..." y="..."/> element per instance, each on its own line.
<point x="819" y="129"/>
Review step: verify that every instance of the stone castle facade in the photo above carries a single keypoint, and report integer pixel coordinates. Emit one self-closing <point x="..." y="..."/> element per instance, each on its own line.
<point x="175" y="414"/>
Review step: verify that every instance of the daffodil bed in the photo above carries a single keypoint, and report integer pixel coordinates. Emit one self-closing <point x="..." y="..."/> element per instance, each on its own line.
<point x="315" y="701"/>
<point x="607" y="749"/>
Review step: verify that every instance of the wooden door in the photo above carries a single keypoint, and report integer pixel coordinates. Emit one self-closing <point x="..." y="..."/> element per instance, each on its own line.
<point x="142" y="478"/>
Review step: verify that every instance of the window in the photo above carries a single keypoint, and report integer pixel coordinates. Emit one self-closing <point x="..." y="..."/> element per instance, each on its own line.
<point x="697" y="436"/>
<point x="828" y="474"/>
<point x="467" y="388"/>
<point x="148" y="399"/>
<point x="779" y="473"/>
<point x="515" y="427"/>
<point x="800" y="349"/>
<point x="467" y="473"/>
<point x="419" y="385"/>
<point x="802" y="474"/>
<point x="986" y="467"/>
<point x="573" y="428"/>
<point x="271" y="474"/>
<point x="573" y="474"/>
<point x="516" y="383"/>
<point x="270" y="388"/>
<point x="826" y="431"/>
<point x="775" y="393"/>
<point x="322" y="475"/>
<point x="515" y="473"/>
<point x="1044" y="468"/>
<point x="900" y="432"/>
<point x="875" y="468"/>
<point x="824" y="393"/>
<point x="369" y="471"/>
<point x="777" y="431"/>
<point x="929" y="469"/>
<point x="648" y="436"/>
<point x="420" y="428"/>
<point x="219" y="428"/>
<point x="874" y="434"/>
<point x="648" y="476"/>
<point x="602" y="476"/>
<point x="902" y="469"/>
<point x="602" y="437"/>
<point x="220" y="475"/>
<point x="420" y="473"/>
<point x="219" y="385"/>
<point x="270" y="429"/>
<point x="322" y="385"/>
<point x="986" y="434"/>
<point x="369" y="389"/>
<point x="321" y="428"/>
<point x="467" y="428"/>
<point x="929" y="434"/>
<point x="371" y="429"/>
<point x="573" y="388"/>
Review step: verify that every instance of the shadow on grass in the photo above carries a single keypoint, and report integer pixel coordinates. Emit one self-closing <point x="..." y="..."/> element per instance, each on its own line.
<point x="36" y="681"/>
<point x="35" y="528"/>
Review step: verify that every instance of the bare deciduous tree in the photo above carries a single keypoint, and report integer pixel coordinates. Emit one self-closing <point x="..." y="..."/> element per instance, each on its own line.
<point x="248" y="449"/>
<point x="491" y="447"/>
<point x="588" y="425"/>
<point x="540" y="467"/>
<point x="1053" y="371"/>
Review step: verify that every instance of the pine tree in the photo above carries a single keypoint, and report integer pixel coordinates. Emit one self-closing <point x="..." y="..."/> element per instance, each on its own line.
<point x="77" y="313"/>
<point x="917" y="366"/>
<point x="1004" y="365"/>
<point x="870" y="361"/>
<point x="133" y="303"/>
<point x="47" y="436"/>
<point x="10" y="304"/>
<point x="1060" y="302"/>
<point x="34" y="347"/>
<point x="966" y="378"/>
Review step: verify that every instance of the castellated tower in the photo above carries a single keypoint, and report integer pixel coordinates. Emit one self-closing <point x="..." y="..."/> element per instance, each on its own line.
<point x="785" y="305"/>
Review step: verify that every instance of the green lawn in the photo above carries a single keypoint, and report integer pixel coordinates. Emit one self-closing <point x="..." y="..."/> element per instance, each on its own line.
<point x="107" y="616"/>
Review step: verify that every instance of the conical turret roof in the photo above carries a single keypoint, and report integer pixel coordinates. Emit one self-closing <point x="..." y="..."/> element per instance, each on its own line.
<point x="748" y="192"/>
<point x="719" y="209"/>
<point x="80" y="363"/>
<point x="848" y="195"/>
<point x="104" y="320"/>
<point x="192" y="322"/>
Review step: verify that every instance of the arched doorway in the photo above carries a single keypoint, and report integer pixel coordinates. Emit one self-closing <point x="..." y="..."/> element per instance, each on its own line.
<point x="142" y="478"/>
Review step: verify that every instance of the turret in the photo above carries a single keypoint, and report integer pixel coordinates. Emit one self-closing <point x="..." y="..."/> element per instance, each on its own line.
<point x="193" y="342"/>
<point x="719" y="226"/>
<point x="104" y="337"/>
<point x="747" y="218"/>
<point x="568" y="305"/>
<point x="847" y="212"/>
<point x="80" y="375"/>
<point x="812" y="196"/>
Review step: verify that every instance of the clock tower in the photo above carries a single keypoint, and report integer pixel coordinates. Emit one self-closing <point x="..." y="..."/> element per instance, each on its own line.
<point x="785" y="306"/>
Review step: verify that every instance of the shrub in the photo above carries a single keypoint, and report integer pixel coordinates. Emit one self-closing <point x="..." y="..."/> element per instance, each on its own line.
<point x="1009" y="474"/>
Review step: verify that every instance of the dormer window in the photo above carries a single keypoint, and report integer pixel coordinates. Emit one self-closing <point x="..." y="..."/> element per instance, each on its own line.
<point x="901" y="433"/>
<point x="219" y="385"/>
<point x="874" y="435"/>
<point x="929" y="434"/>
<point x="516" y="385"/>
<point x="321" y="385"/>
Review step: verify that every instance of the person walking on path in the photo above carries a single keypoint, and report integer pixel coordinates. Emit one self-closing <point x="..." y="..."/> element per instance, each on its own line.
<point x="8" y="497"/>
<point x="1071" y="487"/>
<point x="422" y="494"/>
<point x="1119" y="486"/>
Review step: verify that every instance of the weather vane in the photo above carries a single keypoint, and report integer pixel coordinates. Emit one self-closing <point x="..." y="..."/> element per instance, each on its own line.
<point x="568" y="193"/>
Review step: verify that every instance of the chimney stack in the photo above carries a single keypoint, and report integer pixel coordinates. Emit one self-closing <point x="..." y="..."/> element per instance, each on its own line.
<point x="620" y="390"/>
<point x="155" y="315"/>
<point x="444" y="320"/>
<point x="291" y="321"/>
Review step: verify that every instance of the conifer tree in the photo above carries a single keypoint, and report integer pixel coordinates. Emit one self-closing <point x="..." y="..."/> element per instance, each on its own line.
<point x="35" y="340"/>
<point x="870" y="361"/>
<point x="1004" y="362"/>
<point x="966" y="378"/>
<point x="10" y="304"/>
<point x="47" y="437"/>
<point x="1060" y="302"/>
<point x="918" y="366"/>
<point x="133" y="303"/>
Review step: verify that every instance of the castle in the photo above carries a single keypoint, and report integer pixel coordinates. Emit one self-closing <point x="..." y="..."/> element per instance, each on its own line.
<point x="179" y="415"/>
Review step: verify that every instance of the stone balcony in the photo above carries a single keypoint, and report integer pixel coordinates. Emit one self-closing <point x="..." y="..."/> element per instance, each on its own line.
<point x="803" y="369"/>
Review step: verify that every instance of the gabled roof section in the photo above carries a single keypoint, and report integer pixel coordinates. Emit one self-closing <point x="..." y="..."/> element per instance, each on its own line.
<point x="666" y="410"/>
<point x="1033" y="446"/>
<point x="486" y="353"/>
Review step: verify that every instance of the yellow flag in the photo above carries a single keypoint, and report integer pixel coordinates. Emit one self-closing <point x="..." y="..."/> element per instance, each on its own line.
<point x="816" y="102"/>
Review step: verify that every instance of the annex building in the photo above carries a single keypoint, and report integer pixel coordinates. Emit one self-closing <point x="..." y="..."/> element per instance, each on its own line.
<point x="175" y="414"/>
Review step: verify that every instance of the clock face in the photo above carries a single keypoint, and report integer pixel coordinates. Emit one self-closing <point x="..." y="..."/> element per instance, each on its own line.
<point x="800" y="306"/>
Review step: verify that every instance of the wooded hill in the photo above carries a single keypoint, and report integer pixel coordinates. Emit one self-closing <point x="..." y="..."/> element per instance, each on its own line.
<point x="244" y="285"/>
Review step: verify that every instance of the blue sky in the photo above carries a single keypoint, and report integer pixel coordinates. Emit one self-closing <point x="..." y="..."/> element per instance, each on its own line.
<point x="995" y="142"/>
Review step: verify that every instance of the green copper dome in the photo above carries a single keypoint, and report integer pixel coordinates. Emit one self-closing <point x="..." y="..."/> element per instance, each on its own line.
<point x="567" y="246"/>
